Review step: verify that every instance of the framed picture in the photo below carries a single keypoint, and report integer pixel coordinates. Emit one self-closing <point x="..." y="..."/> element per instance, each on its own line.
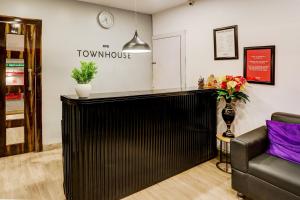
<point x="259" y="64"/>
<point x="226" y="43"/>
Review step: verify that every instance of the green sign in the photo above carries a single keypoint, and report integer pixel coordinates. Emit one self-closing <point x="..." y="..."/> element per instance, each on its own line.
<point x="15" y="64"/>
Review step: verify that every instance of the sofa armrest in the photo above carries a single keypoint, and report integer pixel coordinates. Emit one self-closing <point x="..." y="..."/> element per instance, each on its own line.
<point x="247" y="146"/>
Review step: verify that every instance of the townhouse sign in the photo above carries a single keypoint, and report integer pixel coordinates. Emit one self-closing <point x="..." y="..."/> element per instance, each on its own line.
<point x="106" y="54"/>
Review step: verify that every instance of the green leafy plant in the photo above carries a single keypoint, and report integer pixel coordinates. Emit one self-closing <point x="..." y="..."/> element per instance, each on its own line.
<point x="231" y="96"/>
<point x="86" y="73"/>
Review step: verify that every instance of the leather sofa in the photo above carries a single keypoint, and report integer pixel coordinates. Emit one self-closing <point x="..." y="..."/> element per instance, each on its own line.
<point x="259" y="176"/>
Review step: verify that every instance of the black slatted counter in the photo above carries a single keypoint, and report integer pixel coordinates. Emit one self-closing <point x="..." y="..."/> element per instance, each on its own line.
<point x="115" y="144"/>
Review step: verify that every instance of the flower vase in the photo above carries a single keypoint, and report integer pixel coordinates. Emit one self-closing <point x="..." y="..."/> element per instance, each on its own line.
<point x="228" y="115"/>
<point x="83" y="90"/>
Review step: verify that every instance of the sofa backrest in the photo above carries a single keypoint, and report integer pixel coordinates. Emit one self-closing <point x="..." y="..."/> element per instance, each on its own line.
<point x="286" y="117"/>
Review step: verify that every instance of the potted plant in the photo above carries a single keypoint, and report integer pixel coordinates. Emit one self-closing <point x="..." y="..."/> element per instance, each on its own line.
<point x="83" y="76"/>
<point x="231" y="88"/>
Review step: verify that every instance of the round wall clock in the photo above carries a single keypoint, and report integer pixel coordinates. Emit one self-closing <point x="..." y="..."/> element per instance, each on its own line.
<point x="106" y="19"/>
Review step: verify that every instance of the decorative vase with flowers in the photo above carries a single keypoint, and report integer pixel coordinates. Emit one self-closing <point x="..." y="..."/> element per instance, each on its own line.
<point x="83" y="76"/>
<point x="231" y="89"/>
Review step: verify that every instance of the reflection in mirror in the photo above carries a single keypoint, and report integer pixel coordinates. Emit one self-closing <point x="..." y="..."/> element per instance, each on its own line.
<point x="14" y="135"/>
<point x="14" y="88"/>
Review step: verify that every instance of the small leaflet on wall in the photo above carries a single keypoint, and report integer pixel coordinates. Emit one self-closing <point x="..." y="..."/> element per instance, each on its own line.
<point x="14" y="42"/>
<point x="15" y="62"/>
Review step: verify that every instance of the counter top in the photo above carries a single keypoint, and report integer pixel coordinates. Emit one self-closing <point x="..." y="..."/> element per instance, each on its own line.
<point x="131" y="95"/>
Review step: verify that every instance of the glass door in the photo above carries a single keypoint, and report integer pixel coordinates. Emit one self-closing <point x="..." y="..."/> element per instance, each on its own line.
<point x="15" y="88"/>
<point x="14" y="78"/>
<point x="18" y="106"/>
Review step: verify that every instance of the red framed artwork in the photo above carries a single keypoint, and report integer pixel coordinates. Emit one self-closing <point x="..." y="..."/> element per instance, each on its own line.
<point x="259" y="64"/>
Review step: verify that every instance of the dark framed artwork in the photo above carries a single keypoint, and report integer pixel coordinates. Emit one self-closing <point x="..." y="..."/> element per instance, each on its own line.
<point x="226" y="43"/>
<point x="259" y="64"/>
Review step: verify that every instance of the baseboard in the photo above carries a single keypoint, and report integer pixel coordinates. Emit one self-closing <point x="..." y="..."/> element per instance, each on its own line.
<point x="50" y="147"/>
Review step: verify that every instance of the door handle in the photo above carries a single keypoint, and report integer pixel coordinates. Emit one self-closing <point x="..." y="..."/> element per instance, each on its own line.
<point x="30" y="80"/>
<point x="153" y="63"/>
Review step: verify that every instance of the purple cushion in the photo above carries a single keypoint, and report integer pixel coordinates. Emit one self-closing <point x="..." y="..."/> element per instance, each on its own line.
<point x="284" y="140"/>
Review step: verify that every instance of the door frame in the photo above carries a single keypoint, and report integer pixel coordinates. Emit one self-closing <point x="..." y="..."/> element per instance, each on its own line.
<point x="36" y="136"/>
<point x="182" y="36"/>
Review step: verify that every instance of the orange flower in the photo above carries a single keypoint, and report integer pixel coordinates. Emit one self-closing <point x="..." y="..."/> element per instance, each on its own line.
<point x="229" y="78"/>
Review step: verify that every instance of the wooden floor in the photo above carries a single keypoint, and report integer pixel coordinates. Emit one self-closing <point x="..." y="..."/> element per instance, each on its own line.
<point x="38" y="176"/>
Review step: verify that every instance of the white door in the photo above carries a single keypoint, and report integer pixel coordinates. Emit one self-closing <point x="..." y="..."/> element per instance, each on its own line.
<point x="167" y="62"/>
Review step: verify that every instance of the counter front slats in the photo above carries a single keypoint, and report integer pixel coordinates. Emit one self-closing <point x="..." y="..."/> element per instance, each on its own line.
<point x="119" y="143"/>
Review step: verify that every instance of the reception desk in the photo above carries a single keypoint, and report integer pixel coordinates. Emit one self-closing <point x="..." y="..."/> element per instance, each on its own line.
<point x="115" y="144"/>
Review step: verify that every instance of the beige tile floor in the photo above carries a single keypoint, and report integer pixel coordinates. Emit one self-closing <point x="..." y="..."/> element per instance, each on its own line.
<point x="38" y="176"/>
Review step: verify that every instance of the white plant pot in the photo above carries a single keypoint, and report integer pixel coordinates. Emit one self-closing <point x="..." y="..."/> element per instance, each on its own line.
<point x="83" y="90"/>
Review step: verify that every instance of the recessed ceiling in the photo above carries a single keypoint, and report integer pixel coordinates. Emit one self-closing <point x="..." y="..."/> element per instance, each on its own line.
<point x="143" y="6"/>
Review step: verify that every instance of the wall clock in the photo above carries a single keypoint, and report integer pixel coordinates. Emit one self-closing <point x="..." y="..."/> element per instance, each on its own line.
<point x="106" y="19"/>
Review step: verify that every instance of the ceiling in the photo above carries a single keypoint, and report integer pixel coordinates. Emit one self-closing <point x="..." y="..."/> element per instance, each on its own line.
<point x="143" y="6"/>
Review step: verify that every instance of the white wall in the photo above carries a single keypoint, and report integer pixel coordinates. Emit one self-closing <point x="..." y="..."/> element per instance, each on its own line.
<point x="69" y="25"/>
<point x="267" y="22"/>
